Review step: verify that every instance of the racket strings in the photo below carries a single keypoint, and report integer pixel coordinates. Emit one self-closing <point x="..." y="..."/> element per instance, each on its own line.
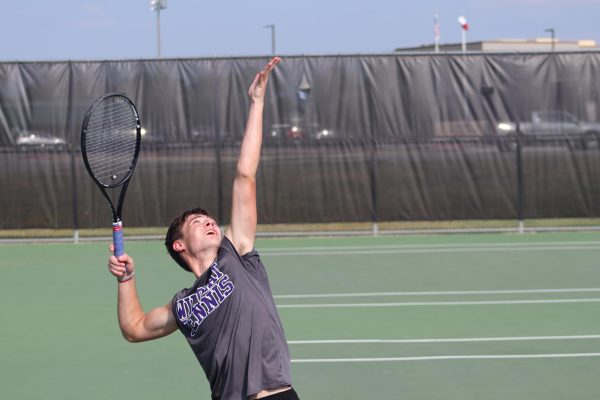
<point x="111" y="141"/>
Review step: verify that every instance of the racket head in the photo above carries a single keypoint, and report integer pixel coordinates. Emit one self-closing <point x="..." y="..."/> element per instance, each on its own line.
<point x="110" y="140"/>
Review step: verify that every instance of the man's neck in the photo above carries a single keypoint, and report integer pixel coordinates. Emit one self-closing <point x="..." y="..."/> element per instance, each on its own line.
<point x="203" y="263"/>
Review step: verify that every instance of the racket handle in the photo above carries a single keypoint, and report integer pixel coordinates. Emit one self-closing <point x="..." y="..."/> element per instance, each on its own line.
<point x="118" y="238"/>
<point x="120" y="248"/>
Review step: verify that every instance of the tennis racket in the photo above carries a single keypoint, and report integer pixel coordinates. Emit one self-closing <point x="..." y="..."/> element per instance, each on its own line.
<point x="110" y="146"/>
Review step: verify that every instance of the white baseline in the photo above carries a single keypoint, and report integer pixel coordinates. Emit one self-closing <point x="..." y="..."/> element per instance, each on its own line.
<point x="450" y="357"/>
<point x="442" y="340"/>
<point x="439" y="303"/>
<point x="430" y="248"/>
<point x="436" y="293"/>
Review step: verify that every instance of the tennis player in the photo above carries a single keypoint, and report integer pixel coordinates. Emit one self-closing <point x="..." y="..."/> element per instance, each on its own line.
<point x="228" y="315"/>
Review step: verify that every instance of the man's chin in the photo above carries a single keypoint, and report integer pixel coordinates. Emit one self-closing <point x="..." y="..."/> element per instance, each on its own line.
<point x="214" y="238"/>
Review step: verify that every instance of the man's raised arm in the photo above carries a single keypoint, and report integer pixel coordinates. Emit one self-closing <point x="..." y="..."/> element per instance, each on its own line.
<point x="242" y="229"/>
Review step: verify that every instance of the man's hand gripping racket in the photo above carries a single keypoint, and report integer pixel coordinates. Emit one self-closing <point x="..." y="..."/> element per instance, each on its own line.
<point x="110" y="146"/>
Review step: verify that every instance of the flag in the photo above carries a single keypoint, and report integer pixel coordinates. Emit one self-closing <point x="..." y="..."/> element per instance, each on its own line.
<point x="463" y="22"/>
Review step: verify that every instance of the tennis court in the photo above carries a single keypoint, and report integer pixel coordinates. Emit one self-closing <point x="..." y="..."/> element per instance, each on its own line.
<point x="494" y="316"/>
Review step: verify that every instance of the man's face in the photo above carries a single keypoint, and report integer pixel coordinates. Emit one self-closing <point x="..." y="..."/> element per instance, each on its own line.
<point x="200" y="232"/>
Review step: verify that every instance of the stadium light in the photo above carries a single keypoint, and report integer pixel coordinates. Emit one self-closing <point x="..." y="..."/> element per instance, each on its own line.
<point x="157" y="5"/>
<point x="272" y="27"/>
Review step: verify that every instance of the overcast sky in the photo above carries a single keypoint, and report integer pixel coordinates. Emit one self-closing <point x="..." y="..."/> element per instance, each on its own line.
<point x="125" y="29"/>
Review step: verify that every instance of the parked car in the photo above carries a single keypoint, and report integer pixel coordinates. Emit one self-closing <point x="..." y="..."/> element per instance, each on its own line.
<point x="548" y="126"/>
<point x="209" y="134"/>
<point x="38" y="139"/>
<point x="299" y="131"/>
<point x="295" y="128"/>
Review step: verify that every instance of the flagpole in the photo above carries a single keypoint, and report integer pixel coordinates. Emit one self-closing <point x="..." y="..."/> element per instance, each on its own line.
<point x="464" y="26"/>
<point x="436" y="32"/>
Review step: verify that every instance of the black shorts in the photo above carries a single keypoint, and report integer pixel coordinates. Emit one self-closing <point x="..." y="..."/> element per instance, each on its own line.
<point x="287" y="395"/>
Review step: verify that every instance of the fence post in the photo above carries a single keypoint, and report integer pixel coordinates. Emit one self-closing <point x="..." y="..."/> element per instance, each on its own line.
<point x="520" y="181"/>
<point x="373" y="184"/>
<point x="75" y="209"/>
<point x="72" y="149"/>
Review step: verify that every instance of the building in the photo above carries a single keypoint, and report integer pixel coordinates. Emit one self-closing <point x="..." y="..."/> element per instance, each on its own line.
<point x="510" y="46"/>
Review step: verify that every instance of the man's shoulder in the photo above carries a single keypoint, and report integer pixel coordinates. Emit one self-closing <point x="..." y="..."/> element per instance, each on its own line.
<point x="227" y="245"/>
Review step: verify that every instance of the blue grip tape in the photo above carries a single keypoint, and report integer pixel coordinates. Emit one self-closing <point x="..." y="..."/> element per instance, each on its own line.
<point x="118" y="239"/>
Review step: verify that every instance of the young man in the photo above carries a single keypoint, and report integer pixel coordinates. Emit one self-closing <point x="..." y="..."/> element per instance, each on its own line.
<point x="228" y="315"/>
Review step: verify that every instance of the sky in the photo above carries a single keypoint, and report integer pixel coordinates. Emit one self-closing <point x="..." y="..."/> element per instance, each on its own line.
<point x="48" y="30"/>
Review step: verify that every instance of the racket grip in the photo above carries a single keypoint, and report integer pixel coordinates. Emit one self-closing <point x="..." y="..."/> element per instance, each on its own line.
<point x="118" y="239"/>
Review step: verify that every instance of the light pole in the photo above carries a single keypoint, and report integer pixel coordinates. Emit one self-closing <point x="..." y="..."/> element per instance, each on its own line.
<point x="551" y="30"/>
<point x="436" y="31"/>
<point x="272" y="27"/>
<point x="157" y="5"/>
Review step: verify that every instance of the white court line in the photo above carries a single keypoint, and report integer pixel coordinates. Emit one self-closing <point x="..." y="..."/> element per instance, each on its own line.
<point x="435" y="293"/>
<point x="439" y="303"/>
<point x="451" y="357"/>
<point x="463" y="249"/>
<point x="429" y="246"/>
<point x="450" y="340"/>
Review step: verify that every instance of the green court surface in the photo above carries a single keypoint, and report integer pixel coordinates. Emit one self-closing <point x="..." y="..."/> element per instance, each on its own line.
<point x="467" y="317"/>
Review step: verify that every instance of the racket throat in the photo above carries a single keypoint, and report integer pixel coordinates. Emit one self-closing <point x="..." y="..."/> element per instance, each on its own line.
<point x="117" y="214"/>
<point x="116" y="217"/>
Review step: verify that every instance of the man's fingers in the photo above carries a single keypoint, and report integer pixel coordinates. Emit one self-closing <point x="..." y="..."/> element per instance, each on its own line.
<point x="274" y="61"/>
<point x="121" y="265"/>
<point x="120" y="261"/>
<point x="269" y="67"/>
<point x="261" y="78"/>
<point x="115" y="267"/>
<point x="117" y="270"/>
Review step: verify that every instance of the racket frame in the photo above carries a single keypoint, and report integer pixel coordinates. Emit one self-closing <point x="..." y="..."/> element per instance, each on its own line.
<point x="116" y="212"/>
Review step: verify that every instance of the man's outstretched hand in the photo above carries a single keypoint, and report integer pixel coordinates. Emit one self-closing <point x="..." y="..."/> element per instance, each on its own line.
<point x="259" y="85"/>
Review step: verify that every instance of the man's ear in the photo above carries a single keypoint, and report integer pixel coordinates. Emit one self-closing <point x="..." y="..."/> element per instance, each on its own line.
<point x="178" y="246"/>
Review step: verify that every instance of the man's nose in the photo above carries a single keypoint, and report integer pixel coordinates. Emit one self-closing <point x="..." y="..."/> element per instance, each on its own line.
<point x="209" y="223"/>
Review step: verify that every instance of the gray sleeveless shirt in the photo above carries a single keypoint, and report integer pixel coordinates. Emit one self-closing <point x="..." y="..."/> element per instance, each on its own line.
<point x="231" y="323"/>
